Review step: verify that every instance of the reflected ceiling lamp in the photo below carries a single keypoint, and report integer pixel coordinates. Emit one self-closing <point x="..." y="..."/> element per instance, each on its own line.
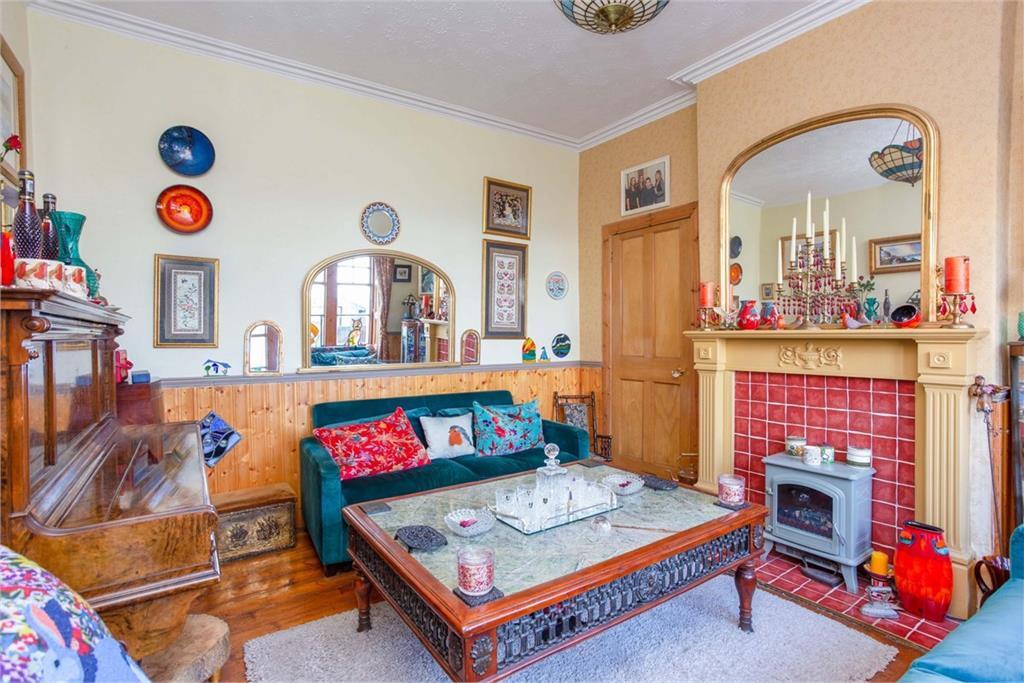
<point x="903" y="162"/>
<point x="610" y="16"/>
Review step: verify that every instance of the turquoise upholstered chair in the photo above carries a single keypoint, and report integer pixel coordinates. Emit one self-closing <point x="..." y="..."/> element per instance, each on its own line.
<point x="324" y="494"/>
<point x="990" y="645"/>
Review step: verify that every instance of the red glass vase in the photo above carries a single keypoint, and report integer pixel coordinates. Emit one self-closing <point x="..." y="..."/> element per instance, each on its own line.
<point x="923" y="571"/>
<point x="6" y="260"/>
<point x="748" y="318"/>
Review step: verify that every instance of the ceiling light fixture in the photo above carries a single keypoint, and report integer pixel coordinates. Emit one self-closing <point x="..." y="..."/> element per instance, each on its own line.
<point x="610" y="16"/>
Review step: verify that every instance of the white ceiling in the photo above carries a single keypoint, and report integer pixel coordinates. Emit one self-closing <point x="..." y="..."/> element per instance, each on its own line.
<point x="825" y="162"/>
<point x="519" y="62"/>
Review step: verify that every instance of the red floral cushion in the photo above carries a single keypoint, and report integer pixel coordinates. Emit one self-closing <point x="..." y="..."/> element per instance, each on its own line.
<point x="375" y="447"/>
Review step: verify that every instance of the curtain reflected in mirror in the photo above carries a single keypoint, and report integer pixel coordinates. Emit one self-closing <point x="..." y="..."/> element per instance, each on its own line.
<point x="377" y="308"/>
<point x="263" y="349"/>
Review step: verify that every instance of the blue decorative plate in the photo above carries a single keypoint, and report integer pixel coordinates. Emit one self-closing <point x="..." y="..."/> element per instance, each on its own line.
<point x="561" y="345"/>
<point x="186" y="150"/>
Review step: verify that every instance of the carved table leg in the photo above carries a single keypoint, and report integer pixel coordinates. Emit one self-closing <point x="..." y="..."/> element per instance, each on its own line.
<point x="746" y="581"/>
<point x="362" y="586"/>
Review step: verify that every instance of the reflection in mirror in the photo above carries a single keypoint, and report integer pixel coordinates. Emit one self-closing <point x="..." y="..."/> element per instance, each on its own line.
<point x="263" y="349"/>
<point x="469" y="351"/>
<point x="879" y="201"/>
<point x="377" y="307"/>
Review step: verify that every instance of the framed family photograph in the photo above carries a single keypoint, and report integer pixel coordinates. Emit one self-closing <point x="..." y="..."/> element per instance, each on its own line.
<point x="507" y="208"/>
<point x="645" y="187"/>
<point x="402" y="273"/>
<point x="504" y="290"/>
<point x="12" y="108"/>
<point x="900" y="254"/>
<point x="186" y="290"/>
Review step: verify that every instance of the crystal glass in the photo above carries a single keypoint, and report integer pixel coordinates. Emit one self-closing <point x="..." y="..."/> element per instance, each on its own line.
<point x="505" y="501"/>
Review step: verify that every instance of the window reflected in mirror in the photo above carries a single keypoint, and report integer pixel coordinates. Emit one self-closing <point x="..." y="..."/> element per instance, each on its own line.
<point x="870" y="172"/>
<point x="263" y="349"/>
<point x="377" y="308"/>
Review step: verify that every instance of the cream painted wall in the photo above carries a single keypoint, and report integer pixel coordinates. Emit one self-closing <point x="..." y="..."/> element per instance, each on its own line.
<point x="599" y="168"/>
<point x="745" y="221"/>
<point x="296" y="163"/>
<point x="884" y="211"/>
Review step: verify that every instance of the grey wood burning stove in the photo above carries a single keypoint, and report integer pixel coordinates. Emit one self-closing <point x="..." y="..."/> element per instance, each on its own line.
<point x="821" y="514"/>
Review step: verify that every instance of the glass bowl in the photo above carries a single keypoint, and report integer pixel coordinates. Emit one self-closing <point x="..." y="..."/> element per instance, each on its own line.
<point x="624" y="484"/>
<point x="468" y="523"/>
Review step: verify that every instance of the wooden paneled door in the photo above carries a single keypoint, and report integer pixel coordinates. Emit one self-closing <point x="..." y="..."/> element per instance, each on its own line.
<point x="651" y="277"/>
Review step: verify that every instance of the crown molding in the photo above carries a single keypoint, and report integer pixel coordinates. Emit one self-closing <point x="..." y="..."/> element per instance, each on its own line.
<point x="747" y="199"/>
<point x="789" y="27"/>
<point x="640" y="118"/>
<point x="155" y="32"/>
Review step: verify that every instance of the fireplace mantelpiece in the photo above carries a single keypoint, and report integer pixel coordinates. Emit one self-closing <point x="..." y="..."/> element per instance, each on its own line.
<point x="939" y="361"/>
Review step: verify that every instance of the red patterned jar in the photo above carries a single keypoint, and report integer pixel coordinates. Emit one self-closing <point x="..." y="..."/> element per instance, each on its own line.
<point x="748" y="318"/>
<point x="923" y="571"/>
<point x="476" y="570"/>
<point x="731" y="490"/>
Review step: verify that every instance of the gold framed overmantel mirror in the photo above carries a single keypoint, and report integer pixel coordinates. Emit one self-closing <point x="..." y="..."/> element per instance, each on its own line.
<point x="877" y="169"/>
<point x="374" y="309"/>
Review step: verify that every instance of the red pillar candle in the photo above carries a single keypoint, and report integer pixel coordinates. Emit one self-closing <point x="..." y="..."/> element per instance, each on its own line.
<point x="707" y="294"/>
<point x="958" y="274"/>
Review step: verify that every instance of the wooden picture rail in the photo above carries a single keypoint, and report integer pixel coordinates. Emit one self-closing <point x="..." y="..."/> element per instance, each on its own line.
<point x="273" y="416"/>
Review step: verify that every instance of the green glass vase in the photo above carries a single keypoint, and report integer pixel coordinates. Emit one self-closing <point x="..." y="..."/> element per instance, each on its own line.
<point x="69" y="228"/>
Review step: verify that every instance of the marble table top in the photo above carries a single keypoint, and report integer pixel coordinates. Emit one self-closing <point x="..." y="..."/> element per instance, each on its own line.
<point x="523" y="561"/>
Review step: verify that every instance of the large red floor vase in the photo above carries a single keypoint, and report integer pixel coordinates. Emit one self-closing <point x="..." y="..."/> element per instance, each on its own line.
<point x="924" y="572"/>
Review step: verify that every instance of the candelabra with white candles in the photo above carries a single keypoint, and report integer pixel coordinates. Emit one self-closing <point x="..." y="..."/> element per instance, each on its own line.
<point x="816" y="277"/>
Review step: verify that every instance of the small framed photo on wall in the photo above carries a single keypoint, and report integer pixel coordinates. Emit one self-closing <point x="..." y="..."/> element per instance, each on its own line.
<point x="507" y="208"/>
<point x="504" y="292"/>
<point x="645" y="187"/>
<point x="185" y="301"/>
<point x="402" y="273"/>
<point x="767" y="291"/>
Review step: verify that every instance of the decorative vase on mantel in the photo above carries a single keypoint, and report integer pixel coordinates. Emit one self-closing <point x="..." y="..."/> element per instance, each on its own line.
<point x="69" y="227"/>
<point x="748" y="318"/>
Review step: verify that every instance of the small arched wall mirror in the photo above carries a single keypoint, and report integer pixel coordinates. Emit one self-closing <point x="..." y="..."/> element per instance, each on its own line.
<point x="375" y="307"/>
<point x="263" y="349"/>
<point x="876" y="166"/>
<point x="380" y="224"/>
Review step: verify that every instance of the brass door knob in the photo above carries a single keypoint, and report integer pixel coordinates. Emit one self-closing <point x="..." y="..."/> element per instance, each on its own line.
<point x="678" y="372"/>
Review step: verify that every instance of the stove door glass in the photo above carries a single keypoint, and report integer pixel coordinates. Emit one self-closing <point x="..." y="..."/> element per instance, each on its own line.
<point x="805" y="509"/>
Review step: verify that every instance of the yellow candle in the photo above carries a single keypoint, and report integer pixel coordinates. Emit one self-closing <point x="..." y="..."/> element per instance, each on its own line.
<point x="879" y="562"/>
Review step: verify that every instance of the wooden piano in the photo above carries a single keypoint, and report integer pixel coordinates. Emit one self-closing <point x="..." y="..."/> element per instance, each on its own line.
<point x="121" y="513"/>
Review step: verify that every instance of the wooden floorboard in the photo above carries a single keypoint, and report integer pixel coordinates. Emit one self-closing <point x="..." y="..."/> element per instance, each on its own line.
<point x="274" y="592"/>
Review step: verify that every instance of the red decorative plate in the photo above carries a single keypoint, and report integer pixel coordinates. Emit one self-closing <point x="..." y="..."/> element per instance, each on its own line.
<point x="183" y="208"/>
<point x="735" y="274"/>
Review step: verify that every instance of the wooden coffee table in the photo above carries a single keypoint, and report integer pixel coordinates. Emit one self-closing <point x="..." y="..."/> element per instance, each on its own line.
<point x="562" y="585"/>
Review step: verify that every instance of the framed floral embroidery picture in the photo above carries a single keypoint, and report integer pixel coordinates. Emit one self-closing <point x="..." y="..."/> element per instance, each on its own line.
<point x="504" y="290"/>
<point x="185" y="301"/>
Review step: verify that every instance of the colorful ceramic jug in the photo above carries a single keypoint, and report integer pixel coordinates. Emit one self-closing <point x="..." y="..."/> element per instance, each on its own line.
<point x="748" y="318"/>
<point x="769" y="313"/>
<point x="923" y="570"/>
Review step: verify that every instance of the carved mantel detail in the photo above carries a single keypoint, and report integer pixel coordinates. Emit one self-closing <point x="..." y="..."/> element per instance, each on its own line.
<point x="811" y="357"/>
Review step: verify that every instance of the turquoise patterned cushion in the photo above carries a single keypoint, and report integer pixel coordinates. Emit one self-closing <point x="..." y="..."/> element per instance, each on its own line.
<point x="502" y="430"/>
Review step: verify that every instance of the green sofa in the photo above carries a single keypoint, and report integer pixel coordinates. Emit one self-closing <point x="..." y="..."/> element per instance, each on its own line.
<point x="324" y="494"/>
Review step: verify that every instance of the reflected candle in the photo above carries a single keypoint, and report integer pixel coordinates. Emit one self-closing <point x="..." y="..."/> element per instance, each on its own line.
<point x="476" y="570"/>
<point x="958" y="274"/>
<point x="707" y="294"/>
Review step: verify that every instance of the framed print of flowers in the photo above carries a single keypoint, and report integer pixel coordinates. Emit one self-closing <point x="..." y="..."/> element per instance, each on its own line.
<point x="504" y="290"/>
<point x="185" y="301"/>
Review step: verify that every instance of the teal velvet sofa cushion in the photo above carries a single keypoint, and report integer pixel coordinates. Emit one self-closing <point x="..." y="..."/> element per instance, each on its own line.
<point x="990" y="645"/>
<point x="324" y="495"/>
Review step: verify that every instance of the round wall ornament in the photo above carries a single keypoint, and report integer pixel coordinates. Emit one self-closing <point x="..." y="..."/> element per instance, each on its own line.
<point x="557" y="285"/>
<point x="186" y="150"/>
<point x="379" y="223"/>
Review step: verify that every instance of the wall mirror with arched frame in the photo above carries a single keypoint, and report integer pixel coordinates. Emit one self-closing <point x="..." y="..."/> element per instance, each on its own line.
<point x="887" y="199"/>
<point x="263" y="350"/>
<point x="374" y="308"/>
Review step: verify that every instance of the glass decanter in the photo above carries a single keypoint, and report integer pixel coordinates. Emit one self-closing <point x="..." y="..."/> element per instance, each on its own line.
<point x="551" y="479"/>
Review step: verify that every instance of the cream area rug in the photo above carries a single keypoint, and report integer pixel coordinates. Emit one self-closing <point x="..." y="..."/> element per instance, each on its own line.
<point x="692" y="637"/>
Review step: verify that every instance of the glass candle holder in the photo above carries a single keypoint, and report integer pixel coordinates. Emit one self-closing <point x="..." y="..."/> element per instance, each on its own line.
<point x="731" y="490"/>
<point x="858" y="457"/>
<point x="476" y="570"/>
<point x="795" y="446"/>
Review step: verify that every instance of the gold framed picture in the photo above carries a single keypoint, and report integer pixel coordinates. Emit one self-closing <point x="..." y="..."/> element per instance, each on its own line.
<point x="12" y="108"/>
<point x="186" y="310"/>
<point x="899" y="254"/>
<point x="508" y="208"/>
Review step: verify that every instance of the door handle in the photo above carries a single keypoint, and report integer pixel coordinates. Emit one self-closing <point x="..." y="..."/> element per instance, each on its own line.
<point x="678" y="372"/>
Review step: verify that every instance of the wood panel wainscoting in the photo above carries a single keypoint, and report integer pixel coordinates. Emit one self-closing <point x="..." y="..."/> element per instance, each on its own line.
<point x="273" y="414"/>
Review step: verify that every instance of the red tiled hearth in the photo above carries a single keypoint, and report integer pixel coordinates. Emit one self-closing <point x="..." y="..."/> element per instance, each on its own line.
<point x="842" y="411"/>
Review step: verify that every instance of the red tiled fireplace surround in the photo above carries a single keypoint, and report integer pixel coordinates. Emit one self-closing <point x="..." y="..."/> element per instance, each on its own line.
<point x="842" y="411"/>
